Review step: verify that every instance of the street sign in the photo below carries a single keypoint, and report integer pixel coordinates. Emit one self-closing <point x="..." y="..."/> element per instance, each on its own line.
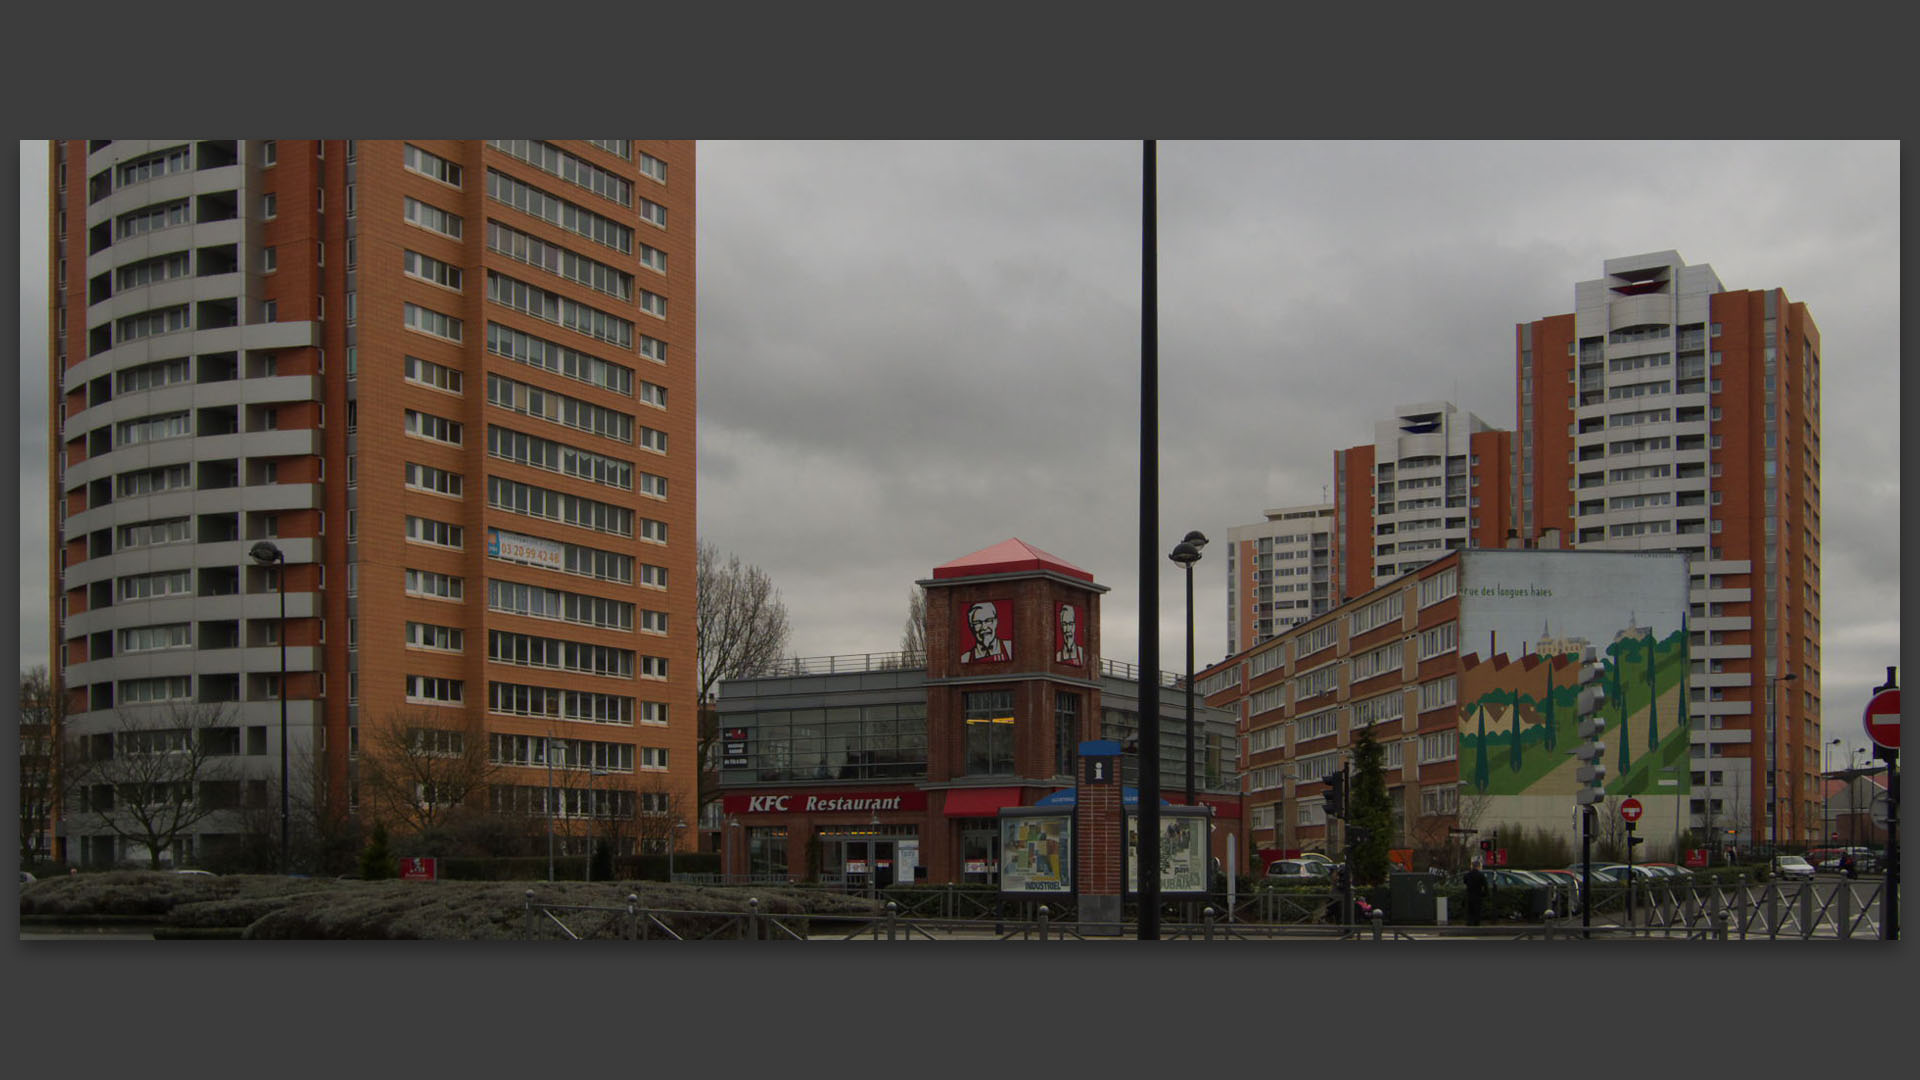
<point x="419" y="868"/>
<point x="1697" y="857"/>
<point x="1883" y="718"/>
<point x="1878" y="809"/>
<point x="1630" y="810"/>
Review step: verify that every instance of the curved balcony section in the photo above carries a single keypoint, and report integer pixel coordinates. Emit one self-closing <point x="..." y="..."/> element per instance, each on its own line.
<point x="183" y="185"/>
<point x="1640" y="310"/>
<point x="167" y="242"/>
<point x="187" y="290"/>
<point x="251" y="606"/>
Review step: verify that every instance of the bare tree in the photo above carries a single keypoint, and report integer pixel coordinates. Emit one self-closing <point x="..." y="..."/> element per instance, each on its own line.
<point x="42" y="713"/>
<point x="155" y="776"/>
<point x="742" y="630"/>
<point x="418" y="770"/>
<point x="660" y="808"/>
<point x="913" y="636"/>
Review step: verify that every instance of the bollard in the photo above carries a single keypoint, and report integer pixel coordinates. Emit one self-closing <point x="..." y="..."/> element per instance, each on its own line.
<point x="529" y="920"/>
<point x="1548" y="916"/>
<point x="752" y="928"/>
<point x="1720" y="925"/>
<point x="893" y="915"/>
<point x="1207" y="915"/>
<point x="1379" y="919"/>
<point x="1043" y="922"/>
<point x="1773" y="911"/>
<point x="633" y="917"/>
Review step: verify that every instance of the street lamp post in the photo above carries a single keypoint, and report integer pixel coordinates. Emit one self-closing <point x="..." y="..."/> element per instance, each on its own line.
<point x="733" y="830"/>
<point x="1773" y="747"/>
<point x="873" y="860"/>
<point x="266" y="553"/>
<point x="1186" y="553"/>
<point x="1826" y="793"/>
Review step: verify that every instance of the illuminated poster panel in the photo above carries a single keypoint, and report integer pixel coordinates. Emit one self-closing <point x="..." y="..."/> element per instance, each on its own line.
<point x="1036" y="854"/>
<point x="985" y="632"/>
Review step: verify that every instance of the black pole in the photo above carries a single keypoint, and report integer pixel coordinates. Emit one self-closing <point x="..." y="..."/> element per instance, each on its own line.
<point x="1632" y="826"/>
<point x="285" y="812"/>
<point x="1190" y="796"/>
<point x="1586" y="871"/>
<point x="1149" y="785"/>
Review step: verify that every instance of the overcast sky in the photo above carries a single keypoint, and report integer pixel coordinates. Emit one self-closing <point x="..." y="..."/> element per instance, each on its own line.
<point x="911" y="351"/>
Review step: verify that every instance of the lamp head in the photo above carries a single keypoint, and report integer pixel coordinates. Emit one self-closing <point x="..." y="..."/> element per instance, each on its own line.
<point x="265" y="552"/>
<point x="1185" y="554"/>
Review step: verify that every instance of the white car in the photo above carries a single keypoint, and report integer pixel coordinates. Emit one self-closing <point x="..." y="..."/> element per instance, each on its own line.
<point x="1792" y="866"/>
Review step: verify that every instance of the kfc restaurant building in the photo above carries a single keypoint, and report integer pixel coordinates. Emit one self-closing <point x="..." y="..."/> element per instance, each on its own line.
<point x="881" y="769"/>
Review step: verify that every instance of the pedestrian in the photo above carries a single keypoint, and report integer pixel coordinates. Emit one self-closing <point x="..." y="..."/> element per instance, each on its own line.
<point x="1476" y="883"/>
<point x="1846" y="864"/>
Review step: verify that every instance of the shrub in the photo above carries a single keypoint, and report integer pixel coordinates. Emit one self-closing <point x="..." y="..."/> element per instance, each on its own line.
<point x="376" y="862"/>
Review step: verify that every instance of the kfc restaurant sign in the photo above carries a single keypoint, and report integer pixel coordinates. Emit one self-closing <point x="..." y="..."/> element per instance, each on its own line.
<point x="825" y="802"/>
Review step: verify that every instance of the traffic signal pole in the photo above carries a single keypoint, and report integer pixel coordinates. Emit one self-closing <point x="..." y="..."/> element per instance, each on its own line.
<point x="1586" y="871"/>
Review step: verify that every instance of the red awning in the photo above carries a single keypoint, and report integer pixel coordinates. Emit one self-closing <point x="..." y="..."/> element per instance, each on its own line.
<point x="980" y="802"/>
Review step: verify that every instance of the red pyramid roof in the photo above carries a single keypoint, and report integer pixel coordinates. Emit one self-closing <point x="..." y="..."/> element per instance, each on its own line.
<point x="1008" y="557"/>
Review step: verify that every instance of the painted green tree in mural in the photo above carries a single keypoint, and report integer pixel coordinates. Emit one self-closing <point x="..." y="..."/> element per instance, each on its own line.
<point x="1653" y="697"/>
<point x="1551" y="741"/>
<point x="1619" y="653"/>
<point x="1686" y="668"/>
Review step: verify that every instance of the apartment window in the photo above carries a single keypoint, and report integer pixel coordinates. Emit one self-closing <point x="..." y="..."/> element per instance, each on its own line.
<point x="148" y="429"/>
<point x="431" y="636"/>
<point x="653" y="712"/>
<point x="427" y="478"/>
<point x="429" y="426"/>
<point x="558" y="457"/>
<point x="653" y="304"/>
<point x="538" y="502"/>
<point x="653" y="349"/>
<point x="157" y="585"/>
<point x="1066" y="732"/>
<point x="560" y="359"/>
<point x="653" y="667"/>
<point x="1439" y="693"/>
<point x="653" y="258"/>
<point x="555" y="210"/>
<point x="427" y="321"/>
<point x="431" y="218"/>
<point x="152" y="324"/>
<point x="433" y="690"/>
<point x="653" y="439"/>
<point x="435" y="586"/>
<point x="538" y="602"/>
<point x="575" y="170"/>
<point x="430" y="269"/>
<point x="653" y="485"/>
<point x="655" y="531"/>
<point x="270" y="152"/>
<point x="428" y="373"/>
<point x="555" y="308"/>
<point x="438" y="533"/>
<point x="653" y="621"/>
<point x="653" y="757"/>
<point x="429" y="165"/>
<point x="1440" y="639"/>
<point x="527" y="650"/>
<point x="559" y="408"/>
<point x="617" y="147"/>
<point x="269" y="260"/>
<point x="653" y="394"/>
<point x="654" y="576"/>
<point x="989" y="732"/>
<point x="151" y="638"/>
<point x="558" y="260"/>
<point x="270" y="206"/>
<point x="653" y="213"/>
<point x="653" y="168"/>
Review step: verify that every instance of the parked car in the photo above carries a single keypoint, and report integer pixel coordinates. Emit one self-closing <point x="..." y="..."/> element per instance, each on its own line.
<point x="1316" y="857"/>
<point x="1299" y="872"/>
<point x="200" y="873"/>
<point x="1792" y="866"/>
<point x="1567" y="886"/>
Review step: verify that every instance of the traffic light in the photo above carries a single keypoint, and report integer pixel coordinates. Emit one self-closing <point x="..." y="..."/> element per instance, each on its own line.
<point x="1336" y="794"/>
<point x="1590" y="725"/>
<point x="1633" y="837"/>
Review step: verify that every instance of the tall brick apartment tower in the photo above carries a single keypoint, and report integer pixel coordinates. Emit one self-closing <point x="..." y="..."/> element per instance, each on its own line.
<point x="1667" y="412"/>
<point x="452" y="382"/>
<point x="1432" y="481"/>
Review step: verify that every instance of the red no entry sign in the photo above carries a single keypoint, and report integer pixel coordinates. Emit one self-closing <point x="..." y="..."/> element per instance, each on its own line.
<point x="1630" y="810"/>
<point x="1883" y="719"/>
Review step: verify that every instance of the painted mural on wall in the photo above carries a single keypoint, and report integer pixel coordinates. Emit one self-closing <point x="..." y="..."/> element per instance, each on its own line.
<point x="1067" y="648"/>
<point x="1527" y="618"/>
<point x="985" y="632"/>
